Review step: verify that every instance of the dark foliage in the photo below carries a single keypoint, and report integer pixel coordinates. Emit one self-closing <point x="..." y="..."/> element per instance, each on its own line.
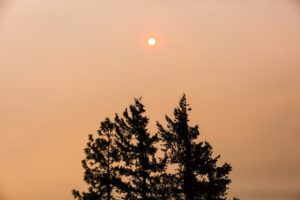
<point x="100" y="172"/>
<point x="197" y="174"/>
<point x="122" y="162"/>
<point x="136" y="146"/>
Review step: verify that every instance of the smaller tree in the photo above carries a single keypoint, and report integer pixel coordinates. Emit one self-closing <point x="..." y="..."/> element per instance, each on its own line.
<point x="100" y="171"/>
<point x="137" y="150"/>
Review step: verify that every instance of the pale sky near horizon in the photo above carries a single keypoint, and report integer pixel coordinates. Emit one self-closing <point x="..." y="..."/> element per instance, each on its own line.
<point x="67" y="64"/>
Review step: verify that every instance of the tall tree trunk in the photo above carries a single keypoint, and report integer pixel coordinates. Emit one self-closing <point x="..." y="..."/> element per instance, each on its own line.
<point x="188" y="175"/>
<point x="144" y="187"/>
<point x="108" y="186"/>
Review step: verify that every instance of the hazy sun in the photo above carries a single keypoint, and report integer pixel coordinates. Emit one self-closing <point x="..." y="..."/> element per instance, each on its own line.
<point x="151" y="41"/>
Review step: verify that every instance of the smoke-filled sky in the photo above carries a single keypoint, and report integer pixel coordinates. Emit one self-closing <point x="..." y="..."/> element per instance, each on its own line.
<point x="67" y="64"/>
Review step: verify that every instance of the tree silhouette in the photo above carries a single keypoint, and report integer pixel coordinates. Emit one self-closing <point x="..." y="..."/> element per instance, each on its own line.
<point x="122" y="162"/>
<point x="197" y="174"/>
<point x="136" y="146"/>
<point x="100" y="172"/>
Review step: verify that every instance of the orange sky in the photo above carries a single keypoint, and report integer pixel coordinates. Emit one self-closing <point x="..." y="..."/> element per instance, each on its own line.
<point x="67" y="64"/>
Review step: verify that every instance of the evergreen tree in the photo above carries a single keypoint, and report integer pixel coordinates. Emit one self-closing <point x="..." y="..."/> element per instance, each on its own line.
<point x="137" y="147"/>
<point x="122" y="163"/>
<point x="197" y="175"/>
<point x="99" y="165"/>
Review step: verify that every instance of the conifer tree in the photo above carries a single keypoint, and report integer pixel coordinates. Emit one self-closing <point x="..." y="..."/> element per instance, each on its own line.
<point x="197" y="175"/>
<point x="99" y="165"/>
<point x="137" y="148"/>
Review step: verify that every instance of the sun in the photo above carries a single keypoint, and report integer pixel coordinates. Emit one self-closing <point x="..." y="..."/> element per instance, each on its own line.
<point x="151" y="41"/>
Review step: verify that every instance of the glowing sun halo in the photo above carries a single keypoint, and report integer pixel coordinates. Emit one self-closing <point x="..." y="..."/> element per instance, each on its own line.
<point x="151" y="41"/>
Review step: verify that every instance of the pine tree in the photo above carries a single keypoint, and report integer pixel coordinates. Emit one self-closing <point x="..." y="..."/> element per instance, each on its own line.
<point x="197" y="175"/>
<point x="99" y="165"/>
<point x="139" y="165"/>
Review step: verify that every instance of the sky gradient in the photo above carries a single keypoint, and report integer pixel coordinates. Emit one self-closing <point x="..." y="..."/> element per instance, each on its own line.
<point x="65" y="65"/>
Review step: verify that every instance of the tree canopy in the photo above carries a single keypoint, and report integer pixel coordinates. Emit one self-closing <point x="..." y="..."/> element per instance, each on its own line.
<point x="126" y="161"/>
<point x="197" y="172"/>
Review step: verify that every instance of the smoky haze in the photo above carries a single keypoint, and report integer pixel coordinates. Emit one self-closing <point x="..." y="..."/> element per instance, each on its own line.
<point x="65" y="65"/>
